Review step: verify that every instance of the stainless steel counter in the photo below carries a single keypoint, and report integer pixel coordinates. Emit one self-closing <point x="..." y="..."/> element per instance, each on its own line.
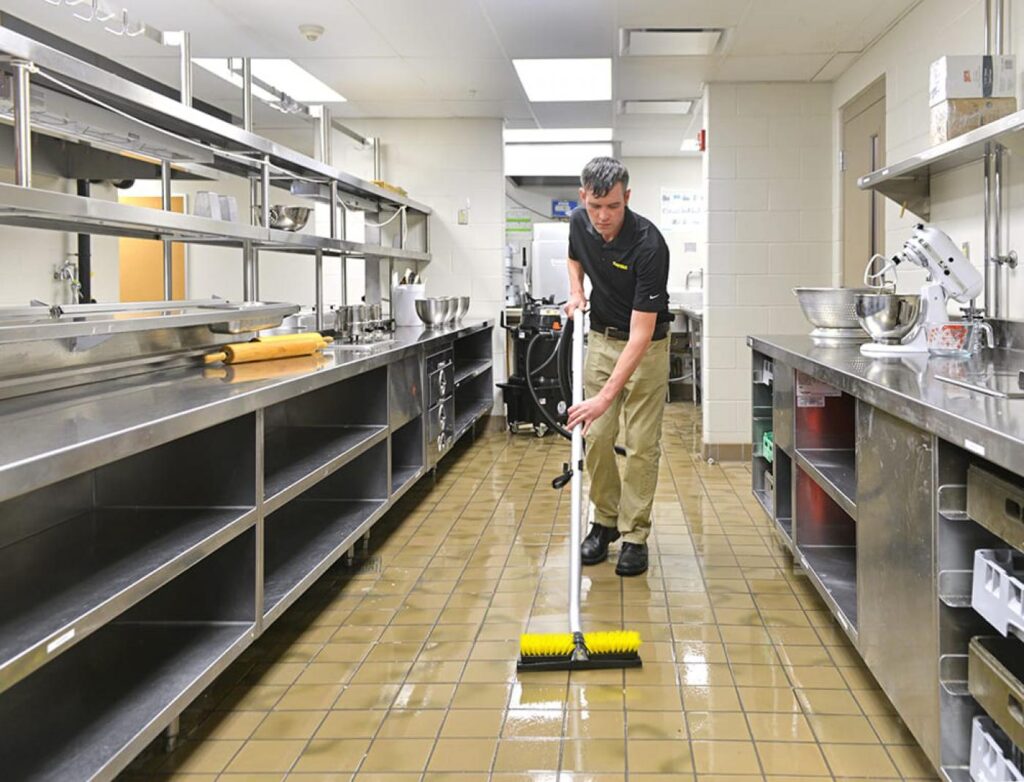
<point x="49" y="436"/>
<point x="908" y="389"/>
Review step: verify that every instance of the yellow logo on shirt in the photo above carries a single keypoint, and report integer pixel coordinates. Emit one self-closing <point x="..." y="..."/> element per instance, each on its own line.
<point x="622" y="266"/>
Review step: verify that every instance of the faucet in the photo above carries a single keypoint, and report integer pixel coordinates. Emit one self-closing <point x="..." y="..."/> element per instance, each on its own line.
<point x="68" y="272"/>
<point x="700" y="277"/>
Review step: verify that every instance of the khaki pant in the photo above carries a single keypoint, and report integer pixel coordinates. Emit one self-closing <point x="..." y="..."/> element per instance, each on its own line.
<point x="625" y="502"/>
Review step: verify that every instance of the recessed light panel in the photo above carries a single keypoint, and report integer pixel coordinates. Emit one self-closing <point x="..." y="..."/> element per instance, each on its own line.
<point x="551" y="159"/>
<point x="669" y="42"/>
<point x="547" y="81"/>
<point x="556" y="135"/>
<point x="657" y="106"/>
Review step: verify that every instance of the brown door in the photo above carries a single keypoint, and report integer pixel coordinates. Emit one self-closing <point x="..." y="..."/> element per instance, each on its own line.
<point x="142" y="260"/>
<point x="863" y="147"/>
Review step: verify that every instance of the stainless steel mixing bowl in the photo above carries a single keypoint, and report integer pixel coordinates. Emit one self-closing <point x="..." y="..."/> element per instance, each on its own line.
<point x="888" y="317"/>
<point x="432" y="312"/>
<point x="463" y="308"/>
<point x="289" y="218"/>
<point x="830" y="308"/>
<point x="453" y="308"/>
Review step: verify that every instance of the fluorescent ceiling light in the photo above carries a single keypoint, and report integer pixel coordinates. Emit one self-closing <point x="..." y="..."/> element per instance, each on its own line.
<point x="657" y="106"/>
<point x="294" y="81"/>
<point x="556" y="135"/>
<point x="283" y="75"/>
<point x="689" y="145"/>
<point x="551" y="159"/>
<point x="669" y="41"/>
<point x="565" y="79"/>
<point x="218" y="66"/>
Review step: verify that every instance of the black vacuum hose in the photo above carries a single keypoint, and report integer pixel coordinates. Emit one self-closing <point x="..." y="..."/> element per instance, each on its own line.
<point x="552" y="422"/>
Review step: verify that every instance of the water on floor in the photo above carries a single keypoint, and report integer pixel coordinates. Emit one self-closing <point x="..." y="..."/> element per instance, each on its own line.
<point x="402" y="668"/>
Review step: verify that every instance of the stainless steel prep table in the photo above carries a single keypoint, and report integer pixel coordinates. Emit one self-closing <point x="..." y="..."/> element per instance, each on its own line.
<point x="866" y="482"/>
<point x="152" y="526"/>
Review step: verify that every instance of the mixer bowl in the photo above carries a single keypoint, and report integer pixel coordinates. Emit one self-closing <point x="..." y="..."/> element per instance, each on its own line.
<point x="453" y="308"/>
<point x="888" y="317"/>
<point x="830" y="308"/>
<point x="432" y="311"/>
<point x="289" y="218"/>
<point x="463" y="308"/>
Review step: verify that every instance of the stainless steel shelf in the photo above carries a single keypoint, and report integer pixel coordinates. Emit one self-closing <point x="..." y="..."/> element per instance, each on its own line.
<point x="306" y="537"/>
<point x="470" y="414"/>
<point x="46" y="209"/>
<point x="171" y="115"/>
<point x="111" y="700"/>
<point x="98" y="565"/>
<point x="833" y="571"/>
<point x="784" y="525"/>
<point x="764" y="500"/>
<point x="909" y="181"/>
<point x="401" y="476"/>
<point x="835" y="471"/>
<point x="467" y="370"/>
<point x="298" y="457"/>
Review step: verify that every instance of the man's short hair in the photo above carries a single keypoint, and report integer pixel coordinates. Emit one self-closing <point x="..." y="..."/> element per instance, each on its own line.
<point x="601" y="174"/>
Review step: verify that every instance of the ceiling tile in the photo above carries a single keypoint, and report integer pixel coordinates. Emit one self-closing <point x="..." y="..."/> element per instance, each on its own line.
<point x="571" y="28"/>
<point x="454" y="79"/>
<point x="795" y="67"/>
<point x="580" y="114"/>
<point x="438" y="28"/>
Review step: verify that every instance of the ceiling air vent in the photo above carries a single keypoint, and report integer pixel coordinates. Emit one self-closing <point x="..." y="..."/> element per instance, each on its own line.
<point x="681" y="106"/>
<point x="669" y="41"/>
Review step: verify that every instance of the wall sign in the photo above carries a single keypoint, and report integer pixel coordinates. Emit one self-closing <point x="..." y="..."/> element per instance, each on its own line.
<point x="681" y="208"/>
<point x="562" y="207"/>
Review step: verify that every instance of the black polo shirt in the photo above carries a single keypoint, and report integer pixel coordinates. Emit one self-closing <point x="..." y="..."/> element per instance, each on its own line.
<point x="629" y="273"/>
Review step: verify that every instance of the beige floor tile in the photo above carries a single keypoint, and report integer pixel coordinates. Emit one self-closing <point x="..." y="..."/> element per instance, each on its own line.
<point x="845" y="729"/>
<point x="397" y="755"/>
<point x="463" y="755"/>
<point x="828" y="701"/>
<point x="289" y="725"/>
<point x="473" y="723"/>
<point x="594" y="755"/>
<point x="859" y="760"/>
<point x="774" y="699"/>
<point x="350" y="724"/>
<point x="710" y="699"/>
<point x="717" y="726"/>
<point x="659" y="756"/>
<point x="367" y="696"/>
<point x="644" y="698"/>
<point x="786" y="727"/>
<point x="534" y="755"/>
<point x="480" y="696"/>
<point x="424" y="696"/>
<point x="330" y="756"/>
<point x="725" y="757"/>
<point x="536" y="723"/>
<point x="411" y="723"/>
<point x="789" y="758"/>
<point x="911" y="762"/>
<point x="664" y="725"/>
<point x="890" y="729"/>
<point x="204" y="757"/>
<point x="264" y="756"/>
<point x="228" y="725"/>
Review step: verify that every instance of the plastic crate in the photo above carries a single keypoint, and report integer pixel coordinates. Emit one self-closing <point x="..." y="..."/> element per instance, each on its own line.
<point x="998" y="588"/>
<point x="768" y="447"/>
<point x="989" y="762"/>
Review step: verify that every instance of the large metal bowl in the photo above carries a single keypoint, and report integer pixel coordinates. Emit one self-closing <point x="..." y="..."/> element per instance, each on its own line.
<point x="432" y="312"/>
<point x="830" y="308"/>
<point x="888" y="317"/>
<point x="463" y="308"/>
<point x="453" y="308"/>
<point x="289" y="218"/>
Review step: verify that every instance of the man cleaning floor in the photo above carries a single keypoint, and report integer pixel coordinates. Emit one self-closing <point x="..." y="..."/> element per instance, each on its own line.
<point x="626" y="259"/>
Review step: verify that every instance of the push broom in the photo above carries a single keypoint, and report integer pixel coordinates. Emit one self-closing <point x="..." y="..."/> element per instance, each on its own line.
<point x="576" y="650"/>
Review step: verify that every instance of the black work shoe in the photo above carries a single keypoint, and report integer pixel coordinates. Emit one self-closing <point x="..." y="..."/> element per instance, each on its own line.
<point x="632" y="560"/>
<point x="595" y="546"/>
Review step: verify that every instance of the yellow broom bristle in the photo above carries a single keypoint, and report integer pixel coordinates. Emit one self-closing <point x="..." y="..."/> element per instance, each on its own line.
<point x="612" y="642"/>
<point x="546" y="644"/>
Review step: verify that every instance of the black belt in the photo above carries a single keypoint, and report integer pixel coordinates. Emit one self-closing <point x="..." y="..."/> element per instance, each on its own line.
<point x="660" y="332"/>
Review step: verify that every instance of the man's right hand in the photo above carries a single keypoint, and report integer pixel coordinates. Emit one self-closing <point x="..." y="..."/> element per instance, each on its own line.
<point x="576" y="301"/>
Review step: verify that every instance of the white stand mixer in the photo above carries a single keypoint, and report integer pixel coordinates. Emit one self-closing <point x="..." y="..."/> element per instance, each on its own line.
<point x="950" y="275"/>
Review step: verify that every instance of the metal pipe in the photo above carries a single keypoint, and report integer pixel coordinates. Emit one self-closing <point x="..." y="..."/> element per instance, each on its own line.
<point x="378" y="166"/>
<point x="999" y="42"/>
<point x="988" y="25"/>
<point x="185" y="46"/>
<point x="247" y="94"/>
<point x="322" y="143"/>
<point x="997" y="235"/>
<point x="84" y="252"/>
<point x="265" y="191"/>
<point x="165" y="204"/>
<point x="344" y="280"/>
<point x="988" y="263"/>
<point x="319" y="290"/>
<point x="249" y="272"/>
<point x="334" y="209"/>
<point x="22" y="97"/>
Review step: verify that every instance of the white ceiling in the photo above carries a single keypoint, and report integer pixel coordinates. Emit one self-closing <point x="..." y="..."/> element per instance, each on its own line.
<point x="445" y="58"/>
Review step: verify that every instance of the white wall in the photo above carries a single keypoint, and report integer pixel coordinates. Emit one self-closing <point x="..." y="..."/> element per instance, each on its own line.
<point x="903" y="56"/>
<point x="767" y="176"/>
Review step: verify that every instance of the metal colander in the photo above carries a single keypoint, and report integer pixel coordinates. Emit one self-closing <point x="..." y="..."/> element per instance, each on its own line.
<point x="830" y="308"/>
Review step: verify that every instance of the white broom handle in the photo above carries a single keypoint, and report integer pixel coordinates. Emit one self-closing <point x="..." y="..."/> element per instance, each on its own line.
<point x="576" y="465"/>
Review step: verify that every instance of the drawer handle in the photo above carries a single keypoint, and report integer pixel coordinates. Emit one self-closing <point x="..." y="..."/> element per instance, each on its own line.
<point x="1013" y="510"/>
<point x="1014" y="707"/>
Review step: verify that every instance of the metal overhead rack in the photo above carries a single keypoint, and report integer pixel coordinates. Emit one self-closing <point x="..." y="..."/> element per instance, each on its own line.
<point x="219" y="147"/>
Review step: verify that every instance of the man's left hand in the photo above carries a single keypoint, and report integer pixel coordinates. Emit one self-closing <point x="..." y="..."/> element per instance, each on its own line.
<point x="586" y="412"/>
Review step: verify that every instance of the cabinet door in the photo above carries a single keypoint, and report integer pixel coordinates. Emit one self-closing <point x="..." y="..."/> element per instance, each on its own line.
<point x="896" y="571"/>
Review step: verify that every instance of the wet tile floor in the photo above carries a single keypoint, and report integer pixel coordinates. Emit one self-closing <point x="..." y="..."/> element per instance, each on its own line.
<point x="402" y="668"/>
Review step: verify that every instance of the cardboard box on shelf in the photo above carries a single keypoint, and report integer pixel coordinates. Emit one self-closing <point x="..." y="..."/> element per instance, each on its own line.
<point x="953" y="118"/>
<point x="954" y="77"/>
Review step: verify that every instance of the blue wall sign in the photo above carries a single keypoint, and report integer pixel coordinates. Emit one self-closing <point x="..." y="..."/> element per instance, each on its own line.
<point x="561" y="207"/>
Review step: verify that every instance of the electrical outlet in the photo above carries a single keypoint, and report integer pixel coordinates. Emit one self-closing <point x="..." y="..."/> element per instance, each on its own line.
<point x="966" y="248"/>
<point x="463" y="216"/>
